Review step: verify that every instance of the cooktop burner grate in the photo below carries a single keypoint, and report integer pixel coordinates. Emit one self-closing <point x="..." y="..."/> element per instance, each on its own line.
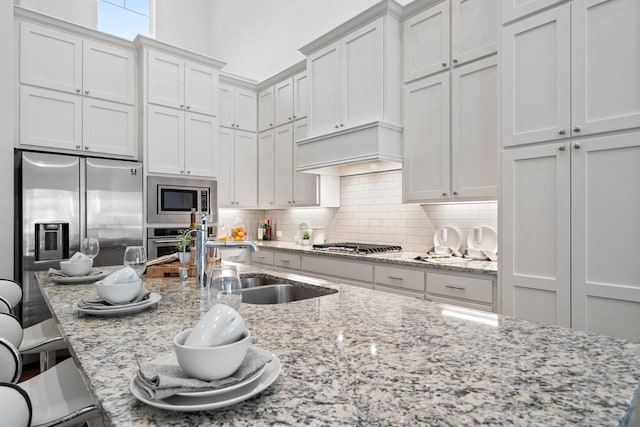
<point x="357" y="248"/>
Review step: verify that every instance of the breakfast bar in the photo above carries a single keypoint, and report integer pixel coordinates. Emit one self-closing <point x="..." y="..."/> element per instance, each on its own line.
<point x="361" y="357"/>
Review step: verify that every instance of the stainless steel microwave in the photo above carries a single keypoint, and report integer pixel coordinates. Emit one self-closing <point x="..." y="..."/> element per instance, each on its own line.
<point x="170" y="200"/>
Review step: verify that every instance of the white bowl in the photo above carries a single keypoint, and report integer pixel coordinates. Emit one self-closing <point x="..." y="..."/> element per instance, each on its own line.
<point x="80" y="268"/>
<point x="118" y="293"/>
<point x="219" y="326"/>
<point x="210" y="363"/>
<point x="123" y="275"/>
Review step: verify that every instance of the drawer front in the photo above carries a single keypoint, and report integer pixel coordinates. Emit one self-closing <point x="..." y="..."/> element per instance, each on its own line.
<point x="469" y="288"/>
<point x="400" y="278"/>
<point x="285" y="260"/>
<point x="262" y="257"/>
<point x="396" y="291"/>
<point x="337" y="268"/>
<point x="460" y="303"/>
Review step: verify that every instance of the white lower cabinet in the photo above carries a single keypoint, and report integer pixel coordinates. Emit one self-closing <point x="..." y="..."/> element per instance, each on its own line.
<point x="283" y="261"/>
<point x="462" y="290"/>
<point x="402" y="279"/>
<point x="329" y="268"/>
<point x="263" y="258"/>
<point x="570" y="234"/>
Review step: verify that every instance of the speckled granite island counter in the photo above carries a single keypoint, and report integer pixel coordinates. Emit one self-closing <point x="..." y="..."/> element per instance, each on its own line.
<point x="360" y="357"/>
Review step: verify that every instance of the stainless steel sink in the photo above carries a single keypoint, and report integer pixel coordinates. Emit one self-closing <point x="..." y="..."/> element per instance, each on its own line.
<point x="281" y="293"/>
<point x="252" y="282"/>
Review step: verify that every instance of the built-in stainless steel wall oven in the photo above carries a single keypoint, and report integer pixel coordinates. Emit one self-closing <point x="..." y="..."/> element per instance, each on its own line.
<point x="164" y="240"/>
<point x="171" y="200"/>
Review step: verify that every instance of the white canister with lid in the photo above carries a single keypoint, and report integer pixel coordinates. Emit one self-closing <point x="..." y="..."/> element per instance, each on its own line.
<point x="318" y="236"/>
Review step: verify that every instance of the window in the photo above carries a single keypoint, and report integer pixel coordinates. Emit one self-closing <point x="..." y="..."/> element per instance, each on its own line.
<point x="124" y="18"/>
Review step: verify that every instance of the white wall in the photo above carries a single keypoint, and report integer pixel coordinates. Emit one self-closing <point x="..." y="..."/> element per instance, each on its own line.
<point x="184" y="23"/>
<point x="83" y="12"/>
<point x="7" y="108"/>
<point x="260" y="38"/>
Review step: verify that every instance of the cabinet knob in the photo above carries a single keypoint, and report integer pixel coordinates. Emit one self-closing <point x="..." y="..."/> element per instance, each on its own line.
<point x="181" y="105"/>
<point x="444" y="64"/>
<point x="289" y="201"/>
<point x="289" y="118"/>
<point x="455" y="193"/>
<point x="270" y="203"/>
<point x="78" y="90"/>
<point x="237" y="126"/>
<point x="77" y="146"/>
<point x="341" y="125"/>
<point x="86" y="92"/>
<point x="444" y="194"/>
<point x="562" y="131"/>
<point x="270" y="124"/>
<point x="455" y="61"/>
<point x="576" y="128"/>
<point x="86" y="147"/>
<point x="293" y="201"/>
<point x="337" y="126"/>
<point x="562" y="148"/>
<point x="576" y="145"/>
<point x="233" y="125"/>
<point x="294" y="117"/>
<point x="181" y="171"/>
<point x="188" y="172"/>
<point x="188" y="107"/>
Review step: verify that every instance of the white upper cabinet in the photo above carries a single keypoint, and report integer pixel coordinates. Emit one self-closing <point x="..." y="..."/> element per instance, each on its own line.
<point x="325" y="89"/>
<point x="283" y="95"/>
<point x="426" y="42"/>
<point x="474" y="29"/>
<point x="238" y="181"/>
<point x="238" y="108"/>
<point x="108" y="72"/>
<point x="300" y="95"/>
<point x="265" y="109"/>
<point x="177" y="83"/>
<point x="536" y="59"/>
<point x="571" y="71"/>
<point x="266" y="171"/>
<point x="283" y="169"/>
<point x="605" y="69"/>
<point x="514" y="9"/>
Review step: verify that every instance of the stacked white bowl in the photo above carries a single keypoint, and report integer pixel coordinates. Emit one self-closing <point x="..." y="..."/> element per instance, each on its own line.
<point x="119" y="287"/>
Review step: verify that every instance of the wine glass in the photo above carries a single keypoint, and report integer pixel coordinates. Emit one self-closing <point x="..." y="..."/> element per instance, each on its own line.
<point x="223" y="286"/>
<point x="90" y="247"/>
<point x="136" y="258"/>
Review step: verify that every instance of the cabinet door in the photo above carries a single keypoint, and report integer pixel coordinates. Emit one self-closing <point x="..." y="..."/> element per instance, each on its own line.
<point x="265" y="109"/>
<point x="50" y="58"/>
<point x="50" y="119"/>
<point x="325" y="90"/>
<point x="108" y="72"/>
<point x="283" y="94"/>
<point x="266" y="170"/>
<point x="426" y="42"/>
<point x="108" y="127"/>
<point x="605" y="65"/>
<point x="536" y="65"/>
<point x="245" y="109"/>
<point x="226" y="178"/>
<point x="300" y="95"/>
<point x="535" y="270"/>
<point x="426" y="140"/>
<point x="201" y="89"/>
<point x="226" y="99"/>
<point x="362" y="75"/>
<point x="165" y="80"/>
<point x="474" y="31"/>
<point x="514" y="9"/>
<point x="605" y="239"/>
<point x="245" y="169"/>
<point x="474" y="125"/>
<point x="201" y="145"/>
<point x="165" y="140"/>
<point x="284" y="165"/>
<point x="306" y="191"/>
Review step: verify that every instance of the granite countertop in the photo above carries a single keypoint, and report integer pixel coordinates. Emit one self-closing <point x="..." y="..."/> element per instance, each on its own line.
<point x="399" y="258"/>
<point x="360" y="357"/>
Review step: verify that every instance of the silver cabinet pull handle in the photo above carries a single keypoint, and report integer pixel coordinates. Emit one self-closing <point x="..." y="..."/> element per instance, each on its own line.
<point x="576" y="145"/>
<point x="562" y="131"/>
<point x="396" y="278"/>
<point x="260" y="257"/>
<point x="460" y="288"/>
<point x="562" y="148"/>
<point x="284" y="260"/>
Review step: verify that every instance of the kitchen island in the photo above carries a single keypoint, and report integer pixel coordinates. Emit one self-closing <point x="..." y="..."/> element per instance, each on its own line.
<point x="361" y="357"/>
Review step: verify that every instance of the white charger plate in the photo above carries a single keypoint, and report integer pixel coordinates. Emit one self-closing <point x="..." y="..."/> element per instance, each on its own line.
<point x="207" y="403"/>
<point x="453" y="238"/>
<point x="95" y="274"/>
<point x="489" y="240"/>
<point x="122" y="309"/>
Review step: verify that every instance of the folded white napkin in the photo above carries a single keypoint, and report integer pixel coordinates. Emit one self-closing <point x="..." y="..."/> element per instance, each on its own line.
<point x="79" y="257"/>
<point x="98" y="303"/>
<point x="162" y="381"/>
<point x="52" y="272"/>
<point x="124" y="275"/>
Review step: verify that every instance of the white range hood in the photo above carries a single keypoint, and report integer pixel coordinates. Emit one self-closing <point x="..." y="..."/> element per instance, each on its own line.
<point x="370" y="147"/>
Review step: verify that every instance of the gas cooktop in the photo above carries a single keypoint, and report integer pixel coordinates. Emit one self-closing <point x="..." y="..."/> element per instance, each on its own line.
<point x="356" y="248"/>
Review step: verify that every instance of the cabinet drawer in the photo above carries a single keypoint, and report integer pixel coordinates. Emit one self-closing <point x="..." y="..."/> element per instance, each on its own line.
<point x="400" y="278"/>
<point x="262" y="257"/>
<point x="337" y="268"/>
<point x="469" y="288"/>
<point x="285" y="260"/>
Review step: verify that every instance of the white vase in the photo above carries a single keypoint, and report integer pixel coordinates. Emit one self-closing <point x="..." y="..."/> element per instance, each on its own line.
<point x="305" y="242"/>
<point x="185" y="257"/>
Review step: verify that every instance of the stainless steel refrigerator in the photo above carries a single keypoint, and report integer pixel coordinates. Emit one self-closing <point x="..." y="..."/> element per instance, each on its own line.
<point x="60" y="200"/>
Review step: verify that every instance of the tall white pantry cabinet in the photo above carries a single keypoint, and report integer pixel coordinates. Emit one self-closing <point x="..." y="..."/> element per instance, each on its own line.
<point x="570" y="205"/>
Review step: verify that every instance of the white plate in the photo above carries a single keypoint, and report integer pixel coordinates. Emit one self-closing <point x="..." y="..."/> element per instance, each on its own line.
<point x="118" y="310"/>
<point x="94" y="275"/>
<point x="453" y="238"/>
<point x="170" y="359"/>
<point x="489" y="239"/>
<point x="190" y="403"/>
